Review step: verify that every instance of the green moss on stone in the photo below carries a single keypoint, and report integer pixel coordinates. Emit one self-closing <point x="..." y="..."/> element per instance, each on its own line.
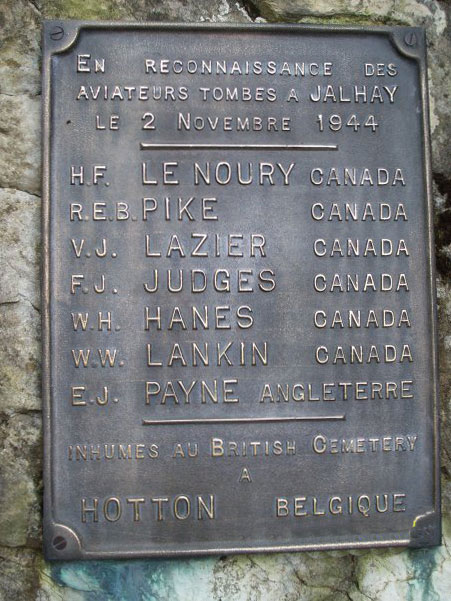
<point x="84" y="9"/>
<point x="352" y="20"/>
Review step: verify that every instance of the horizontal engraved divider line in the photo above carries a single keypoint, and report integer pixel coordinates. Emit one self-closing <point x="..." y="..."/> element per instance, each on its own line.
<point x="156" y="146"/>
<point x="240" y="420"/>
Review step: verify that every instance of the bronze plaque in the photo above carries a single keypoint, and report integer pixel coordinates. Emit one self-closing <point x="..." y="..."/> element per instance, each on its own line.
<point x="239" y="310"/>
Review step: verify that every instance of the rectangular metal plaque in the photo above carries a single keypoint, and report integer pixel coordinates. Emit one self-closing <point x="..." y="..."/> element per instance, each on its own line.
<point x="239" y="327"/>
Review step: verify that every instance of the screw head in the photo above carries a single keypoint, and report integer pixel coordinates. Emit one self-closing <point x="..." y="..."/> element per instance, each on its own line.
<point x="59" y="543"/>
<point x="410" y="38"/>
<point x="57" y="33"/>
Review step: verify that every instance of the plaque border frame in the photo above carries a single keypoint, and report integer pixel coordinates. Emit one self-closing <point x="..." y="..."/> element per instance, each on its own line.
<point x="58" y="35"/>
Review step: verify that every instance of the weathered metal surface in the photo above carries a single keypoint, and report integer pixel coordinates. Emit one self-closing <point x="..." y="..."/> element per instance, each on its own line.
<point x="239" y="335"/>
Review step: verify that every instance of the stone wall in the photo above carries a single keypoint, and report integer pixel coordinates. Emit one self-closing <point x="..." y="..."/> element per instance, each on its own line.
<point x="413" y="575"/>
